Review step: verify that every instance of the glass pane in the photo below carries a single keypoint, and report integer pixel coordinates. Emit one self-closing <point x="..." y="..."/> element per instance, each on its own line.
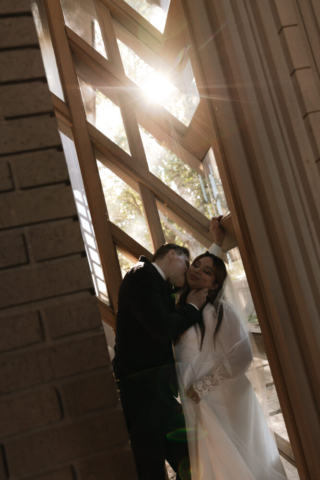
<point x="48" y="56"/>
<point x="124" y="206"/>
<point x="86" y="225"/>
<point x="104" y="115"/>
<point x="125" y="263"/>
<point x="155" y="11"/>
<point x="182" y="102"/>
<point x="238" y="276"/>
<point x="213" y="179"/>
<point x="173" y="233"/>
<point x="169" y="168"/>
<point x="81" y="17"/>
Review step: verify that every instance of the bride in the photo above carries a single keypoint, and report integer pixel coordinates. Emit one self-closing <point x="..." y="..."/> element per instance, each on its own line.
<point x="228" y="436"/>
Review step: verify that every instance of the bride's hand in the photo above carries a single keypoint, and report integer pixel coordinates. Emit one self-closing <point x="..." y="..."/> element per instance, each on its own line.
<point x="191" y="393"/>
<point x="216" y="231"/>
<point x="198" y="297"/>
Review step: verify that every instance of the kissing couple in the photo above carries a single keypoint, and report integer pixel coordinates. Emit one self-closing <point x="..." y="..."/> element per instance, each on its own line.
<point x="181" y="356"/>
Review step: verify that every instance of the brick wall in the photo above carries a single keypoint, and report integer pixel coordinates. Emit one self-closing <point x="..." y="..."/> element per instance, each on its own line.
<point x="60" y="417"/>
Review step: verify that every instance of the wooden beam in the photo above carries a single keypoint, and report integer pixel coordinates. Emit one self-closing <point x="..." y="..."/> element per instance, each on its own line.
<point x="118" y="161"/>
<point x="107" y="314"/>
<point x="134" y="139"/>
<point x="87" y="161"/>
<point x="135" y="23"/>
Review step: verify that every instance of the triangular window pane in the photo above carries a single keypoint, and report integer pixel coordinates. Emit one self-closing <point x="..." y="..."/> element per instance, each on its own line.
<point x="81" y="17"/>
<point x="181" y="178"/>
<point x="182" y="102"/>
<point x="125" y="263"/>
<point x="213" y="179"/>
<point x="104" y="115"/>
<point x="155" y="11"/>
<point x="124" y="207"/>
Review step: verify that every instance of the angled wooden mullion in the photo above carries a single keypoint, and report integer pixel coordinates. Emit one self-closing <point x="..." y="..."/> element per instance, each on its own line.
<point x="135" y="22"/>
<point x="133" y="135"/>
<point x="128" y="244"/>
<point x="91" y="72"/>
<point x="87" y="160"/>
<point x="124" y="162"/>
<point x="106" y="70"/>
<point x="164" y="204"/>
<point x="105" y="23"/>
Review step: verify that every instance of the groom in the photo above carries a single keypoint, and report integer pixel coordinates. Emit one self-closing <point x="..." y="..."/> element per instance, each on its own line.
<point x="144" y="365"/>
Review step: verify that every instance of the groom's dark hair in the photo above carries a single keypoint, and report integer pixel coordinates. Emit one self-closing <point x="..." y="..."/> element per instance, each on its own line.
<point x="164" y="249"/>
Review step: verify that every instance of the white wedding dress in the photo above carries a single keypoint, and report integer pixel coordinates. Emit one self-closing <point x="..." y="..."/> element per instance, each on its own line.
<point x="228" y="436"/>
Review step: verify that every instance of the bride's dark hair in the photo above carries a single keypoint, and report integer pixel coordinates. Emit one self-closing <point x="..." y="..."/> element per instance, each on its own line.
<point x="220" y="273"/>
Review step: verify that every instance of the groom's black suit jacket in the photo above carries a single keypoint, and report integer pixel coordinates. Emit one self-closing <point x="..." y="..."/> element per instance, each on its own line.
<point x="146" y="324"/>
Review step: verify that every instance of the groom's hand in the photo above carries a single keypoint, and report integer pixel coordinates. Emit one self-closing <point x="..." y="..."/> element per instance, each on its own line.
<point x="198" y="297"/>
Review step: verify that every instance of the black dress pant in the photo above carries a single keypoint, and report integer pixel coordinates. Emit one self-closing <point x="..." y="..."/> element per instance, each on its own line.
<point x="156" y="427"/>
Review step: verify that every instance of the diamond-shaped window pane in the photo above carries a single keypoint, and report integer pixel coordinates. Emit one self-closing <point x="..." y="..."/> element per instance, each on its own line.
<point x="155" y="11"/>
<point x="104" y="115"/>
<point x="168" y="167"/>
<point x="173" y="233"/>
<point x="124" y="207"/>
<point x="81" y="17"/>
<point x="181" y="102"/>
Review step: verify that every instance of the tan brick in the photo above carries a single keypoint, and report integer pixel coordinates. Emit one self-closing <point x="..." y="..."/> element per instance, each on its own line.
<point x="21" y="285"/>
<point x="55" y="240"/>
<point x="89" y="394"/>
<point x="19" y="371"/>
<point x="293" y="48"/>
<point x="20" y="330"/>
<point x="28" y="134"/>
<point x="6" y="182"/>
<point x="17" y="31"/>
<point x="306" y="91"/>
<point x="65" y="474"/>
<point x="32" y="453"/>
<point x="14" y="6"/>
<point x="284" y="13"/>
<point x="36" y="205"/>
<point x="21" y="65"/>
<point x="312" y="123"/>
<point x="26" y="412"/>
<point x="40" y="168"/>
<point x="72" y="316"/>
<point x="25" y="99"/>
<point x="109" y="467"/>
<point x="12" y="250"/>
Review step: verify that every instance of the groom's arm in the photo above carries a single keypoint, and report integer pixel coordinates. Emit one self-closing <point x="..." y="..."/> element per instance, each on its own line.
<point x="148" y="307"/>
